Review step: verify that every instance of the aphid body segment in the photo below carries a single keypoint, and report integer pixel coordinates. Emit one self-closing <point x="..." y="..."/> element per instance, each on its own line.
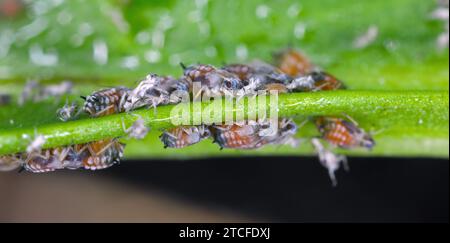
<point x="329" y="160"/>
<point x="237" y="136"/>
<point x="183" y="136"/>
<point x="293" y="62"/>
<point x="10" y="162"/>
<point x="48" y="160"/>
<point x="306" y="77"/>
<point x="100" y="154"/>
<point x="213" y="81"/>
<point x="154" y="90"/>
<point x="283" y="135"/>
<point x="258" y="75"/>
<point x="344" y="134"/>
<point x="106" y="102"/>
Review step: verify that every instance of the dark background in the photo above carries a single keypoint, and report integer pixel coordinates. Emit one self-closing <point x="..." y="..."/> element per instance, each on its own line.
<point x="298" y="189"/>
<point x="271" y="189"/>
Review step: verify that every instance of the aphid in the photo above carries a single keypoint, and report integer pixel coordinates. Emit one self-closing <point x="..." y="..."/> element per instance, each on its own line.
<point x="254" y="135"/>
<point x="105" y="102"/>
<point x="183" y="136"/>
<point x="93" y="156"/>
<point x="154" y="90"/>
<point x="284" y="134"/>
<point x="138" y="130"/>
<point x="306" y="76"/>
<point x="213" y="81"/>
<point x="260" y="71"/>
<point x="5" y="99"/>
<point x="243" y="71"/>
<point x="281" y="88"/>
<point x="48" y="160"/>
<point x="10" y="162"/>
<point x="55" y="90"/>
<point x="237" y="136"/>
<point x="293" y="63"/>
<point x="325" y="81"/>
<point x="100" y="154"/>
<point x="67" y="112"/>
<point x="344" y="134"/>
<point x="268" y="73"/>
<point x="329" y="160"/>
<point x="315" y="81"/>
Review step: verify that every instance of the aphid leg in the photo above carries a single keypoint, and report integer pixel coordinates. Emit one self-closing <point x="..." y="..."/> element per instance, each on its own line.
<point x="344" y="161"/>
<point x="319" y="88"/>
<point x="126" y="130"/>
<point x="350" y="118"/>
<point x="104" y="110"/>
<point x="187" y="130"/>
<point x="332" y="177"/>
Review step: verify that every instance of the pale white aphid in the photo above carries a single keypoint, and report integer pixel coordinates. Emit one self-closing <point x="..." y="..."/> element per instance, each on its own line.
<point x="302" y="82"/>
<point x="329" y="160"/>
<point x="147" y="93"/>
<point x="138" y="130"/>
<point x="67" y="112"/>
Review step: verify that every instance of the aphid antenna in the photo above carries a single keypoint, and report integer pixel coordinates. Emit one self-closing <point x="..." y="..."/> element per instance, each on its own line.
<point x="345" y="164"/>
<point x="376" y="132"/>
<point x="183" y="66"/>
<point x="83" y="97"/>
<point x="350" y="118"/>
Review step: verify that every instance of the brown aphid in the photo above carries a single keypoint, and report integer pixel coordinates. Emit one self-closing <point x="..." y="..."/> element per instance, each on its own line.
<point x="106" y="102"/>
<point x="243" y="71"/>
<point x="10" y="162"/>
<point x="237" y="136"/>
<point x="326" y="81"/>
<point x="343" y="133"/>
<point x="293" y="63"/>
<point x="183" y="136"/>
<point x="100" y="154"/>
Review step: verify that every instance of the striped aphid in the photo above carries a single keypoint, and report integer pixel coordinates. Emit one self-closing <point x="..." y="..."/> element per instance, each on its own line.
<point x="183" y="136"/>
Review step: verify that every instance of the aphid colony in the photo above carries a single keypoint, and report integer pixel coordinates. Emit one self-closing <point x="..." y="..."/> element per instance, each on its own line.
<point x="292" y="72"/>
<point x="92" y="156"/>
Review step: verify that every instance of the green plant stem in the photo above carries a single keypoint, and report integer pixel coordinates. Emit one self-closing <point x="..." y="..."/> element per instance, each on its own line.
<point x="417" y="114"/>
